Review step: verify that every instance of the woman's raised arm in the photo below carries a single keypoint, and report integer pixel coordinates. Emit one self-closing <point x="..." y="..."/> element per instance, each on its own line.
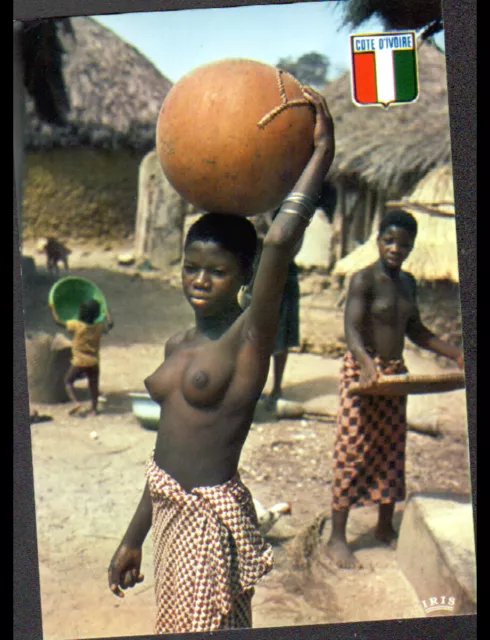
<point x="287" y="230"/>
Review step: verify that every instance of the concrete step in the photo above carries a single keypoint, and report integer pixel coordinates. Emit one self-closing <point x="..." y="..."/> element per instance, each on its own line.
<point x="436" y="552"/>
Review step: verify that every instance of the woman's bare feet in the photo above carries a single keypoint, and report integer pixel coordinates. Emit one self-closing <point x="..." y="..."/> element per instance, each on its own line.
<point x="387" y="535"/>
<point x="272" y="400"/>
<point x="341" y="555"/>
<point x="384" y="530"/>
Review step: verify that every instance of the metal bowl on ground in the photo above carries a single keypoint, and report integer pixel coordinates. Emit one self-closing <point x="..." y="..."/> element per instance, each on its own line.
<point x="146" y="410"/>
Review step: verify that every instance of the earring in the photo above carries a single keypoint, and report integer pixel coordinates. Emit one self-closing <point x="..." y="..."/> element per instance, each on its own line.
<point x="244" y="297"/>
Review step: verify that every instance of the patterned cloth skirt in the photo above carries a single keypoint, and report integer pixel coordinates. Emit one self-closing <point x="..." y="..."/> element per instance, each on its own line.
<point x="208" y="554"/>
<point x="369" y="452"/>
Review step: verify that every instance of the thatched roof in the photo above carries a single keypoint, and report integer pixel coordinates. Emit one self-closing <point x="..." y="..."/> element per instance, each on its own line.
<point x="392" y="149"/>
<point x="115" y="94"/>
<point x="435" y="254"/>
<point x="433" y="194"/>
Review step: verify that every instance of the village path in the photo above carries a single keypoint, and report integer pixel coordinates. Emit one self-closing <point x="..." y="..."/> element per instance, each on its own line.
<point x="88" y="474"/>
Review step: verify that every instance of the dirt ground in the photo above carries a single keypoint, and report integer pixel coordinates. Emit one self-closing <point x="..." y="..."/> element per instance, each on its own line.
<point x="89" y="472"/>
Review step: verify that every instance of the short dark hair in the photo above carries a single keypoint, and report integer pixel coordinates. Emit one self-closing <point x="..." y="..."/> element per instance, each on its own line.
<point x="399" y="218"/>
<point x="231" y="232"/>
<point x="89" y="311"/>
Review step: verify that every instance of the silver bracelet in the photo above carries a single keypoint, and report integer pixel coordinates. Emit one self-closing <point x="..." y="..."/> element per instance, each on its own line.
<point x="297" y="196"/>
<point x="301" y="204"/>
<point x="303" y="200"/>
<point x="295" y="212"/>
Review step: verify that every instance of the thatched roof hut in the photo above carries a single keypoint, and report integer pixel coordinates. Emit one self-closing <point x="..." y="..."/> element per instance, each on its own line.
<point x="81" y="180"/>
<point x="435" y="255"/>
<point x="115" y="94"/>
<point x="392" y="149"/>
<point x="433" y="194"/>
<point x="381" y="154"/>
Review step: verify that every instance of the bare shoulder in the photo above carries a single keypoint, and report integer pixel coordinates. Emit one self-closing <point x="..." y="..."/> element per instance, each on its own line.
<point x="177" y="340"/>
<point x="410" y="281"/>
<point x="362" y="280"/>
<point x="409" y="277"/>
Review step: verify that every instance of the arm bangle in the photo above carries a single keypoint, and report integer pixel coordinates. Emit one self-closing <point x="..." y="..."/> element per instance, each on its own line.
<point x="297" y="196"/>
<point x="302" y="205"/>
<point x="303" y="201"/>
<point x="296" y="213"/>
<point x="308" y="215"/>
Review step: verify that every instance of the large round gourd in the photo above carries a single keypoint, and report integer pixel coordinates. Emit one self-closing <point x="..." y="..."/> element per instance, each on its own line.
<point x="234" y="136"/>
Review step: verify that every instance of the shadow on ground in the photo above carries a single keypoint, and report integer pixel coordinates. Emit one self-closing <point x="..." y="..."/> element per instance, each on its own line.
<point x="312" y="388"/>
<point x="368" y="540"/>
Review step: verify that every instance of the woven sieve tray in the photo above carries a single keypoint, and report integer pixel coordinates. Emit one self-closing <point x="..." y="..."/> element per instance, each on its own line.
<point x="405" y="384"/>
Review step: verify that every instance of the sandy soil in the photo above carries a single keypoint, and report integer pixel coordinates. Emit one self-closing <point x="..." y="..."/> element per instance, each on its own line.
<point x="89" y="472"/>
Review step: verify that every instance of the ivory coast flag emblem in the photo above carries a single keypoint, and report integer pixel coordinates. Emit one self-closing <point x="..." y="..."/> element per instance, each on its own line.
<point x="384" y="68"/>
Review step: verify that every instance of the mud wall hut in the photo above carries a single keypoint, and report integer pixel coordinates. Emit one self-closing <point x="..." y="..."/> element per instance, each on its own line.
<point x="381" y="154"/>
<point x="434" y="258"/>
<point x="81" y="180"/>
<point x="161" y="215"/>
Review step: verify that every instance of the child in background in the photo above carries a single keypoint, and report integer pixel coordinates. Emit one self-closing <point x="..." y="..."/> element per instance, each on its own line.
<point x="85" y="350"/>
<point x="369" y="455"/>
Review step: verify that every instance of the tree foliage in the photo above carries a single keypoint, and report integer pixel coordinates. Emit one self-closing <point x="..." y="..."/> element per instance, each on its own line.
<point x="309" y="69"/>
<point x="423" y="15"/>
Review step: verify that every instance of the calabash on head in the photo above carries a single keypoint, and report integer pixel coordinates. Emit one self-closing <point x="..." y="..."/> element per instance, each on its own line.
<point x="234" y="136"/>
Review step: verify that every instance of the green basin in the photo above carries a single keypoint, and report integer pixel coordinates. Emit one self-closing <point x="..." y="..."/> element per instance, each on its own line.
<point x="67" y="294"/>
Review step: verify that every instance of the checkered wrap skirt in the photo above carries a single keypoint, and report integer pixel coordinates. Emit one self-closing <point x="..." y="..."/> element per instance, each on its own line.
<point x="208" y="554"/>
<point x="369" y="453"/>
